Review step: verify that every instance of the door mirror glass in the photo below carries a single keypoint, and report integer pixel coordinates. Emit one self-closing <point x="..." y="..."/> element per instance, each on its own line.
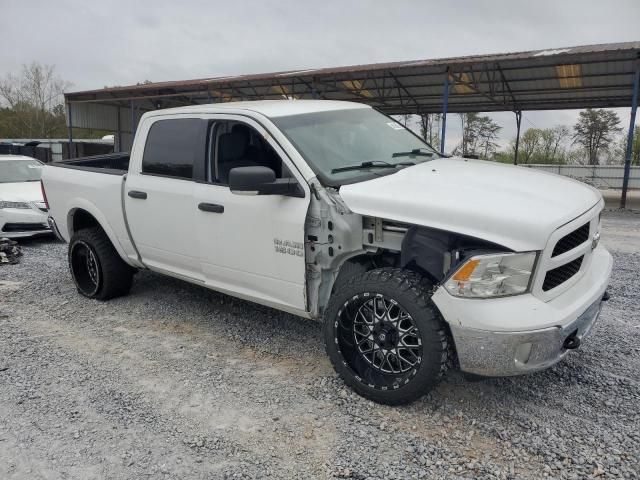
<point x="257" y="180"/>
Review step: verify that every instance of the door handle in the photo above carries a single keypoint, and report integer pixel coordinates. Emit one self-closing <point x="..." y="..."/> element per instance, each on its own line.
<point x="137" y="194"/>
<point x="211" y="207"/>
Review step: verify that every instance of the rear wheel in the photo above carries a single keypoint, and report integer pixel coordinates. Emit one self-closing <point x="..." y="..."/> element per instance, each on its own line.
<point x="96" y="268"/>
<point x="385" y="337"/>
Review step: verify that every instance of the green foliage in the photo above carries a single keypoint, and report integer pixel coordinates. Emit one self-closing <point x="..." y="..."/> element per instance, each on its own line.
<point x="542" y="145"/>
<point x="32" y="104"/>
<point x="595" y="131"/>
<point x="479" y="135"/>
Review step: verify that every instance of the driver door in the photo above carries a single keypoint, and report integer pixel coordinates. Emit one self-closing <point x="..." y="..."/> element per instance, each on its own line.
<point x="251" y="246"/>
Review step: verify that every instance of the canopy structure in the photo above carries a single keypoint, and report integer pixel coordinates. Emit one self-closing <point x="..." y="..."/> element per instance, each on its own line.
<point x="594" y="76"/>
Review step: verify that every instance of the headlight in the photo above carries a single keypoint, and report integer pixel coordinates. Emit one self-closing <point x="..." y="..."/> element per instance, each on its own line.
<point x="13" y="204"/>
<point x="498" y="275"/>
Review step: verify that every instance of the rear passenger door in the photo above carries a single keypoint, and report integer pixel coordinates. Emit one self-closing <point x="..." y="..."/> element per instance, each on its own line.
<point x="159" y="201"/>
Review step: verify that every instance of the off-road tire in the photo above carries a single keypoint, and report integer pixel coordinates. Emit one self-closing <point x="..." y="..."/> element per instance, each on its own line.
<point x="114" y="277"/>
<point x="412" y="293"/>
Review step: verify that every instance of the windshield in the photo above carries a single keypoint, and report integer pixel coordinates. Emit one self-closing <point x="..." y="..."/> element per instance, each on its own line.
<point x="361" y="138"/>
<point x="20" y="171"/>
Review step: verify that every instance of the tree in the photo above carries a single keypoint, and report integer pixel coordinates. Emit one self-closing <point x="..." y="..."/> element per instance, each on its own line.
<point x="35" y="103"/>
<point x="549" y="146"/>
<point x="405" y="119"/>
<point x="487" y="135"/>
<point x="478" y="135"/>
<point x="595" y="130"/>
<point x="468" y="123"/>
<point x="618" y="151"/>
<point x="529" y="144"/>
<point x="560" y="134"/>
<point x="430" y="128"/>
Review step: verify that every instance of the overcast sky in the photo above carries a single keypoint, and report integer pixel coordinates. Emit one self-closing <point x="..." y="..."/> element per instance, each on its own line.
<point x="93" y="44"/>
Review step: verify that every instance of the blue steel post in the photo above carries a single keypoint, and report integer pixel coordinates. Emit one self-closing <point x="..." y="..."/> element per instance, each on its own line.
<point x="70" y="130"/>
<point x="632" y="124"/>
<point x="445" y="106"/>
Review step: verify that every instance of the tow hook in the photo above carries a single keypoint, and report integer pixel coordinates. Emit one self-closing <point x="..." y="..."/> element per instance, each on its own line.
<point x="606" y="296"/>
<point x="572" y="341"/>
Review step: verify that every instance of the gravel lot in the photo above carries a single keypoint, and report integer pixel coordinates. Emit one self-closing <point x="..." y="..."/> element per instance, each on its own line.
<point x="176" y="381"/>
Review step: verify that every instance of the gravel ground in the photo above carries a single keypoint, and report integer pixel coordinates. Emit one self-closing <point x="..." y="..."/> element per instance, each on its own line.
<point x="175" y="381"/>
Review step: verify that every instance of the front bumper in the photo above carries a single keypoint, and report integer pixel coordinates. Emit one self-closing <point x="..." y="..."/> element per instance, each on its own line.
<point x="23" y="223"/>
<point x="522" y="334"/>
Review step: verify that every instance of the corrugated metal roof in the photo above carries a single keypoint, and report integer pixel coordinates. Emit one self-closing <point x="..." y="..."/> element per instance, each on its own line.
<point x="558" y="78"/>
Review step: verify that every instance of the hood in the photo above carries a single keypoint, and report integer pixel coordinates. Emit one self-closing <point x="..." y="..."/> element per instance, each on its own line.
<point x="512" y="206"/>
<point x="21" y="192"/>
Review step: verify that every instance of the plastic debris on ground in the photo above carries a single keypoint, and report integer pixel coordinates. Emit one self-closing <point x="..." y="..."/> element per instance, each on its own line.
<point x="10" y="252"/>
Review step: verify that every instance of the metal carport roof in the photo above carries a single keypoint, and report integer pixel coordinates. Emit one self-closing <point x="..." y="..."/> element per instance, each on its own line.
<point x="559" y="78"/>
<point x="592" y="76"/>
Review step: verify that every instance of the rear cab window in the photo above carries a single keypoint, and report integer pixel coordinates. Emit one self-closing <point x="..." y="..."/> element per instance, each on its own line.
<point x="175" y="148"/>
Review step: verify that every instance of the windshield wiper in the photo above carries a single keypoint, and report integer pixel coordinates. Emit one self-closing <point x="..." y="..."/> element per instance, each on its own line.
<point x="365" y="165"/>
<point x="416" y="152"/>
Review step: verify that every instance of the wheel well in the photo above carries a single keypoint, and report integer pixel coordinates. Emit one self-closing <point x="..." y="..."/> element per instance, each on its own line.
<point x="365" y="262"/>
<point x="82" y="219"/>
<point x="433" y="253"/>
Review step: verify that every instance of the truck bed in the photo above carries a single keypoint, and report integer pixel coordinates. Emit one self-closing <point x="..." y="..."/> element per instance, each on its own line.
<point x="93" y="184"/>
<point x="111" y="163"/>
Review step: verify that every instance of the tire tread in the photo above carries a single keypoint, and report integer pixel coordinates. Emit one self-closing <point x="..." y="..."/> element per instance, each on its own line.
<point x="420" y="290"/>
<point x="117" y="276"/>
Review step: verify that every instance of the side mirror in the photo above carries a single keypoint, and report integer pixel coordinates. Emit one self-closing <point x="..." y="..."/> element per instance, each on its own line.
<point x="262" y="181"/>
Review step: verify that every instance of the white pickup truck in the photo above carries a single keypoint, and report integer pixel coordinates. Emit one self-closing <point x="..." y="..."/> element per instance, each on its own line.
<point x="334" y="211"/>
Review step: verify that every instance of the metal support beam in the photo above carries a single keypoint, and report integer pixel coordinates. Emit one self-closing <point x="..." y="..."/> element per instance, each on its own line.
<point x="518" y="122"/>
<point x="70" y="131"/>
<point x="132" y="107"/>
<point x="458" y="79"/>
<point x="118" y="146"/>
<point x="404" y="89"/>
<point x="632" y="125"/>
<point x="445" y="106"/>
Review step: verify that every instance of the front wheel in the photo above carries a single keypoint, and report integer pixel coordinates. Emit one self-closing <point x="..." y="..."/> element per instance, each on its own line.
<point x="385" y="337"/>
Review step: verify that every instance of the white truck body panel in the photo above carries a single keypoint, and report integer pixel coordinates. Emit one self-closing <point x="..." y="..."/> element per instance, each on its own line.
<point x="500" y="203"/>
<point x="98" y="193"/>
<point x="259" y="248"/>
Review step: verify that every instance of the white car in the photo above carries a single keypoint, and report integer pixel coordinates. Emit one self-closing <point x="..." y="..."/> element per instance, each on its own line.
<point x="23" y="212"/>
<point x="336" y="212"/>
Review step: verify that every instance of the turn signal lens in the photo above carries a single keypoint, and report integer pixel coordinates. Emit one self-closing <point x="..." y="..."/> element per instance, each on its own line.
<point x="467" y="269"/>
<point x="497" y="275"/>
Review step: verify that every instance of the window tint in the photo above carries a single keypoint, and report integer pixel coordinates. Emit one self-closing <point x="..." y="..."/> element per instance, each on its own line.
<point x="239" y="145"/>
<point x="173" y="146"/>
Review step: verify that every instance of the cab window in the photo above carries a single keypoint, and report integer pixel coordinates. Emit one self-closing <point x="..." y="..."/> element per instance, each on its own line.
<point x="235" y="144"/>
<point x="173" y="147"/>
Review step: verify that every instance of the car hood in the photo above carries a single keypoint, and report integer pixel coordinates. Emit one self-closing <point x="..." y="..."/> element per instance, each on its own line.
<point x="512" y="206"/>
<point x="21" y="192"/>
